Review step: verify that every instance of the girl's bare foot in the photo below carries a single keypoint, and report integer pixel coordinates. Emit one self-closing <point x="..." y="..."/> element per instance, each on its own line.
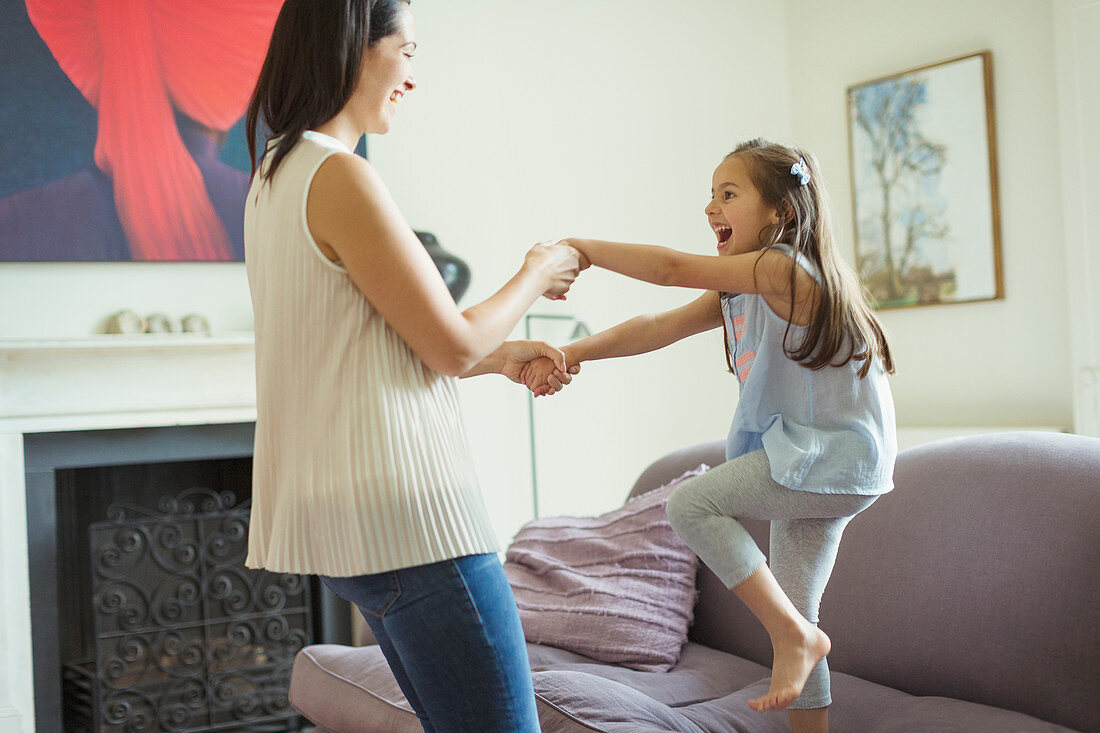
<point x="795" y="653"/>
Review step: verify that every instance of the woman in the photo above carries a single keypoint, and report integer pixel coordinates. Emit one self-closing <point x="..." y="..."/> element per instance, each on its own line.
<point x="361" y="471"/>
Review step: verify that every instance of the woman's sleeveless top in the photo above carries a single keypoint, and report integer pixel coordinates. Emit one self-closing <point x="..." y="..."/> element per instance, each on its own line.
<point x="824" y="431"/>
<point x="361" y="461"/>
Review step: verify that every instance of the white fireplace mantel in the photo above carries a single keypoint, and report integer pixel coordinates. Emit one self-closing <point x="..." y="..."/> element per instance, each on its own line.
<point x="96" y="383"/>
<point x="126" y="381"/>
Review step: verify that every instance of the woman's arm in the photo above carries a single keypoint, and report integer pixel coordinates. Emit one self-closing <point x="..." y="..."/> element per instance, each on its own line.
<point x="355" y="221"/>
<point x="511" y="356"/>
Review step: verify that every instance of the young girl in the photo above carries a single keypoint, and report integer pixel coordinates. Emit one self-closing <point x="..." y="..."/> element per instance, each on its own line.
<point x="812" y="442"/>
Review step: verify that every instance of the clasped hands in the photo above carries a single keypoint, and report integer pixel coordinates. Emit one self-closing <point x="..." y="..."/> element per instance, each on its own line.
<point x="560" y="262"/>
<point x="544" y="377"/>
<point x="535" y="364"/>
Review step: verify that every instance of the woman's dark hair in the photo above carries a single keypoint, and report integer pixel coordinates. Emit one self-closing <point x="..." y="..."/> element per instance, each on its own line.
<point x="312" y="67"/>
<point x="843" y="328"/>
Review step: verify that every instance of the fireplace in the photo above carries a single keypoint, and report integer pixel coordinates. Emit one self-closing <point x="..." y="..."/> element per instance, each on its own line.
<point x="143" y="617"/>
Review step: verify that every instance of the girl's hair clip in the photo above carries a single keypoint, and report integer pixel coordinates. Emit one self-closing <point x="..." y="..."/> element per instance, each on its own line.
<point x="799" y="169"/>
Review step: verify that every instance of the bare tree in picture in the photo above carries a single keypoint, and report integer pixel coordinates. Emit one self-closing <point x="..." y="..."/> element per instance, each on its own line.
<point x="906" y="168"/>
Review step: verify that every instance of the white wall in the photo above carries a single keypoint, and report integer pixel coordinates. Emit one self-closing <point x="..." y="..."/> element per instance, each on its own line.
<point x="997" y="363"/>
<point x="73" y="300"/>
<point x="535" y="120"/>
<point x="1077" y="38"/>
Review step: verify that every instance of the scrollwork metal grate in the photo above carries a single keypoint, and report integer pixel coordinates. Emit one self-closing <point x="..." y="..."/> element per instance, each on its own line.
<point x="186" y="638"/>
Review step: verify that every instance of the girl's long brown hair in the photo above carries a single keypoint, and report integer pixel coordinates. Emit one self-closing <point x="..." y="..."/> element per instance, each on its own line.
<point x="843" y="327"/>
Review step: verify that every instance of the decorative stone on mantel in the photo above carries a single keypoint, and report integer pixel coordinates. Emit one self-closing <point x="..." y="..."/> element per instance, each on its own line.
<point x="96" y="383"/>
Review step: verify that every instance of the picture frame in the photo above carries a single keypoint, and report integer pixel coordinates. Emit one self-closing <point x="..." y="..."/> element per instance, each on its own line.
<point x="925" y="204"/>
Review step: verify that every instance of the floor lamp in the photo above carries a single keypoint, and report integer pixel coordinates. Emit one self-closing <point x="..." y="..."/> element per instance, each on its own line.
<point x="580" y="330"/>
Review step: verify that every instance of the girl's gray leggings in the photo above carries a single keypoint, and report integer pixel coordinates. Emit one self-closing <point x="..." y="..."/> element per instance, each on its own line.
<point x="805" y="533"/>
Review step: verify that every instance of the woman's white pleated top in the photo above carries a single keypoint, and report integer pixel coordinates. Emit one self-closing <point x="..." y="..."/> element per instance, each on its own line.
<point x="361" y="462"/>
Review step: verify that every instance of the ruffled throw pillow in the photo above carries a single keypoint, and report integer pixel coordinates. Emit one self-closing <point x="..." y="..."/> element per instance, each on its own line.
<point x="619" y="587"/>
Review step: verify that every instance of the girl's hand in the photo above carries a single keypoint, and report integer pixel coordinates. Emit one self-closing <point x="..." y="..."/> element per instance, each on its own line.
<point x="558" y="263"/>
<point x="543" y="377"/>
<point x="575" y="243"/>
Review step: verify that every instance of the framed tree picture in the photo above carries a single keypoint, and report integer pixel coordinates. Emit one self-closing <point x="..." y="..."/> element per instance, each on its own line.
<point x="924" y="184"/>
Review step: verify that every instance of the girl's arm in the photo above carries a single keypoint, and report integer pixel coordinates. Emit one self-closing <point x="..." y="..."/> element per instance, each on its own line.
<point x="639" y="335"/>
<point x="354" y="220"/>
<point x="765" y="273"/>
<point x="650" y="332"/>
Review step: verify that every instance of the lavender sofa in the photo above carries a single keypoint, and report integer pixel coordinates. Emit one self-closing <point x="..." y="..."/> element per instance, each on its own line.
<point x="966" y="600"/>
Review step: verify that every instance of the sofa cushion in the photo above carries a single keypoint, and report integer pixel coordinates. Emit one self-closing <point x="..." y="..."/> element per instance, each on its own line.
<point x="701" y="674"/>
<point x="618" y="588"/>
<point x="573" y="702"/>
<point x="865" y="706"/>
<point x="350" y="690"/>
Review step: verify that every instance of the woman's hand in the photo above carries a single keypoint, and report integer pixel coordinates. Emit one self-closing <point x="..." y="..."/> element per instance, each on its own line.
<point x="535" y="364"/>
<point x="543" y="377"/>
<point x="559" y="264"/>
<point x="514" y="356"/>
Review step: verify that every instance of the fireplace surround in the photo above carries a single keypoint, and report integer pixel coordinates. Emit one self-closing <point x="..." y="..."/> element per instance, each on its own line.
<point x="172" y="419"/>
<point x="93" y="497"/>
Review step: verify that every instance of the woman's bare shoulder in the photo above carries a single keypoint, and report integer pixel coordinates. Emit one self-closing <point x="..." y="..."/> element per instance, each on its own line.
<point x="346" y="174"/>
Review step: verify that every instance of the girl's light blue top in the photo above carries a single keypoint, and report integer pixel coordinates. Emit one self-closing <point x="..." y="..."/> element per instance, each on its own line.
<point x="824" y="431"/>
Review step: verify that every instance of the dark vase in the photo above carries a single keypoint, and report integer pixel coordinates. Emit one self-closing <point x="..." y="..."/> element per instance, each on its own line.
<point x="455" y="272"/>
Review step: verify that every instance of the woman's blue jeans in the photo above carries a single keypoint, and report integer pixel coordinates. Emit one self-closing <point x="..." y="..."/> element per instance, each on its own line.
<point x="451" y="634"/>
